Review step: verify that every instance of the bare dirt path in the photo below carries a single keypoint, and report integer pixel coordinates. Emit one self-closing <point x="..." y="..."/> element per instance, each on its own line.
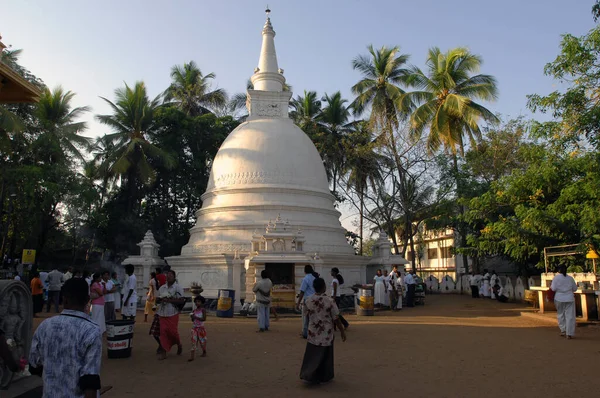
<point x="454" y="346"/>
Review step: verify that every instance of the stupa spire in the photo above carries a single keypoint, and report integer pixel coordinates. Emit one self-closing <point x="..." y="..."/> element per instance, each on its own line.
<point x="267" y="76"/>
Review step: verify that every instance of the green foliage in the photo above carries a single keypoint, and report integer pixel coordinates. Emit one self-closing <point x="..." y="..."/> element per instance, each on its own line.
<point x="576" y="110"/>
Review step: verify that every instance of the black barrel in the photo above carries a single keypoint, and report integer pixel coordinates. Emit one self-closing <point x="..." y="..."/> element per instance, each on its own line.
<point x="119" y="335"/>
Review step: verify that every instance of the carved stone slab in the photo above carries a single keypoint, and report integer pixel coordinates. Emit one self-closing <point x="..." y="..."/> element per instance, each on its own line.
<point x="16" y="318"/>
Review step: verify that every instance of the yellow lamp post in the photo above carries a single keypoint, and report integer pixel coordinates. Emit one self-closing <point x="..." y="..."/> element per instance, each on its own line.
<point x="593" y="255"/>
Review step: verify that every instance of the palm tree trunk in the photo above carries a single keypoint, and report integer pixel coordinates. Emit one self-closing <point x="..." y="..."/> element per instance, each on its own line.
<point x="461" y="227"/>
<point x="362" y="207"/>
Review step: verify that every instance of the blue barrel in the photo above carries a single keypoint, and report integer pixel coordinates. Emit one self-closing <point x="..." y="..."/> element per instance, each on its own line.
<point x="119" y="335"/>
<point x="225" y="303"/>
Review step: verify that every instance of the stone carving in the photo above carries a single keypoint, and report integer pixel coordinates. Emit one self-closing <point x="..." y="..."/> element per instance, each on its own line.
<point x="16" y="320"/>
<point x="253" y="177"/>
<point x="279" y="245"/>
<point x="226" y="248"/>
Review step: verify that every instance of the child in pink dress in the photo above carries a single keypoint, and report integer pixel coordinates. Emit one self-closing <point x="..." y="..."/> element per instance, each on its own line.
<point x="198" y="333"/>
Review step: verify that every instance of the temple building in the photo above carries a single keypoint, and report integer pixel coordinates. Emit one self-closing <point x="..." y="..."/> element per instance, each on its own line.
<point x="268" y="203"/>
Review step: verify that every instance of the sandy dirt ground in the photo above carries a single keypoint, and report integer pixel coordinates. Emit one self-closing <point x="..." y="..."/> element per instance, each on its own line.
<point x="454" y="346"/>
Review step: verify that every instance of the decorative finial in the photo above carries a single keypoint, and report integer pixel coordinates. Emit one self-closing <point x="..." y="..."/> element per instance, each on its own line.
<point x="267" y="11"/>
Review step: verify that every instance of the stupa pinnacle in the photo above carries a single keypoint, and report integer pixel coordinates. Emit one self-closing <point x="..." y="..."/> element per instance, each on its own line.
<point x="268" y="76"/>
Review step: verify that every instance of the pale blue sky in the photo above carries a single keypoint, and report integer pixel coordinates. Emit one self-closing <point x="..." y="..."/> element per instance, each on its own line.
<point x="91" y="48"/>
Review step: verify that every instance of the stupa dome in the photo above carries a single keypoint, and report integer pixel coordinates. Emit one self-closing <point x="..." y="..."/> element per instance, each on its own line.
<point x="273" y="152"/>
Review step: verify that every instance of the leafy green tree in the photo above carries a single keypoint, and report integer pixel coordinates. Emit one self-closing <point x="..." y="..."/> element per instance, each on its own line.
<point x="576" y="110"/>
<point x="553" y="201"/>
<point x="191" y="90"/>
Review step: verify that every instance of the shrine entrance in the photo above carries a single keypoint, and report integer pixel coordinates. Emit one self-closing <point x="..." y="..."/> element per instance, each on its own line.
<point x="284" y="289"/>
<point x="281" y="273"/>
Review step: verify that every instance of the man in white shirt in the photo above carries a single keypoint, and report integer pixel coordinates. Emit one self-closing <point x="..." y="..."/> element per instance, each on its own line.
<point x="109" y="297"/>
<point x="170" y="297"/>
<point x="55" y="281"/>
<point x="130" y="294"/>
<point x="474" y="281"/>
<point x="409" y="281"/>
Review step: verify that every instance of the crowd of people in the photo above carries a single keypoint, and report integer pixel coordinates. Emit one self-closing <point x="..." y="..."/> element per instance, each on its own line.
<point x="391" y="290"/>
<point x="487" y="286"/>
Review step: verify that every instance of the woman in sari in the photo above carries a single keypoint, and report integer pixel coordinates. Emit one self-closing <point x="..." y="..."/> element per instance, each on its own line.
<point x="317" y="366"/>
<point x="150" y="297"/>
<point x="97" y="292"/>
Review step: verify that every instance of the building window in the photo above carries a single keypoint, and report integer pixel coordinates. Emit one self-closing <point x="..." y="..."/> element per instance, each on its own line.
<point x="432" y="253"/>
<point x="409" y="256"/>
<point x="446" y="252"/>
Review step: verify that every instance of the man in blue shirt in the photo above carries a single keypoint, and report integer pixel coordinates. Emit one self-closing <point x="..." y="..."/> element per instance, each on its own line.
<point x="306" y="290"/>
<point x="66" y="350"/>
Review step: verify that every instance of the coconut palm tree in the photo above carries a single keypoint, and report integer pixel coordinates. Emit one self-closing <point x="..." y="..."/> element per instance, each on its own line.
<point x="133" y="156"/>
<point x="190" y="90"/>
<point x="445" y="99"/>
<point x="333" y="124"/>
<point x="60" y="138"/>
<point x="304" y="112"/>
<point x="363" y="164"/>
<point x="383" y="74"/>
<point x="446" y="106"/>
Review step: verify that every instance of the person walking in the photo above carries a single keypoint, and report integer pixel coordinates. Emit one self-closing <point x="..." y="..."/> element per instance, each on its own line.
<point x="323" y="314"/>
<point x="564" y="288"/>
<point x="37" y="293"/>
<point x="262" y="290"/>
<point x="55" y="280"/>
<point x="306" y="290"/>
<point x="198" y="333"/>
<point x="170" y="297"/>
<point x="474" y="281"/>
<point x="130" y="290"/>
<point x="150" y="297"/>
<point x="66" y="350"/>
<point x="109" y="297"/>
<point x="97" y="295"/>
<point x="409" y="281"/>
<point x="336" y="284"/>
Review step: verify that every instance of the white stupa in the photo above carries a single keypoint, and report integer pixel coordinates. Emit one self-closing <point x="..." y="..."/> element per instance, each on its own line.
<point x="267" y="204"/>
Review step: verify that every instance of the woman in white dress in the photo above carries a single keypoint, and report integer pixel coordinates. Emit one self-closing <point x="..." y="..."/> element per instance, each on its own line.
<point x="379" y="292"/>
<point x="564" y="288"/>
<point x="486" y="284"/>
